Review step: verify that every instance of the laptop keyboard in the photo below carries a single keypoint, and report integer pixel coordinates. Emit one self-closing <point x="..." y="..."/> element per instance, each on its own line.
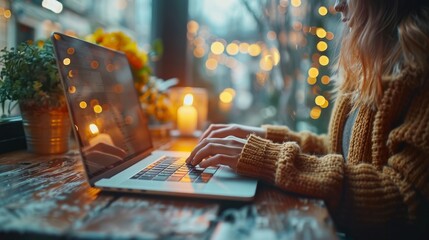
<point x="175" y="169"/>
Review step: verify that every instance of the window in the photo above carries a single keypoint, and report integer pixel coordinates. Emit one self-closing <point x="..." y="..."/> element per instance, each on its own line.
<point x="265" y="61"/>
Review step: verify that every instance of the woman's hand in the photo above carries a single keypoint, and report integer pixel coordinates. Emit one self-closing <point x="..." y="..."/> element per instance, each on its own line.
<point x="222" y="144"/>
<point x="214" y="151"/>
<point x="236" y="130"/>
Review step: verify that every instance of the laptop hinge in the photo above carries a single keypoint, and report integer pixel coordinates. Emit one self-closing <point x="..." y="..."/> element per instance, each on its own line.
<point x="111" y="172"/>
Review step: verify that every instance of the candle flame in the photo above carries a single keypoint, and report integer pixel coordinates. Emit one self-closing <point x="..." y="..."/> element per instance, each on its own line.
<point x="93" y="128"/>
<point x="188" y="100"/>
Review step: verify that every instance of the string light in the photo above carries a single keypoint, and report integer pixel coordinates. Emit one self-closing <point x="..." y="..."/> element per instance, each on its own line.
<point x="313" y="72"/>
<point x="232" y="48"/>
<point x="217" y="48"/>
<point x="322" y="46"/>
<point x="211" y="64"/>
<point x="311" y="81"/>
<point x="323" y="11"/>
<point x="324" y="60"/>
<point x="325" y="80"/>
<point x="269" y="57"/>
<point x="320" y="32"/>
<point x="315" y="113"/>
<point x="296" y="3"/>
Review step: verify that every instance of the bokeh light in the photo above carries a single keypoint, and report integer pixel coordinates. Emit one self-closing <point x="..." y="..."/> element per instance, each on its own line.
<point x="323" y="11"/>
<point x="322" y="46"/>
<point x="217" y="48"/>
<point x="313" y="72"/>
<point x="324" y="60"/>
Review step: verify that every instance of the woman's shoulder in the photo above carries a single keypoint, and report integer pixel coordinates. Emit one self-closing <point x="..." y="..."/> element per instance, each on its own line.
<point x="408" y="76"/>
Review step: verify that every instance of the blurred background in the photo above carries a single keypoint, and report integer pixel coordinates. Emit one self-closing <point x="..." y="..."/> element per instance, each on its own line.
<point x="261" y="61"/>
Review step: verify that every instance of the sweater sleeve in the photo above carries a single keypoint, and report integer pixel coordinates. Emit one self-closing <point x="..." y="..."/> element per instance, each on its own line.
<point x="284" y="165"/>
<point x="359" y="196"/>
<point x="309" y="142"/>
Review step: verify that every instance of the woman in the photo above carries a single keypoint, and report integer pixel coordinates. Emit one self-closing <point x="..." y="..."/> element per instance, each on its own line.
<point x="372" y="168"/>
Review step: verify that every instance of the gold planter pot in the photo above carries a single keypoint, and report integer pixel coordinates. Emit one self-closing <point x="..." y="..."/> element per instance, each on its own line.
<point x="46" y="131"/>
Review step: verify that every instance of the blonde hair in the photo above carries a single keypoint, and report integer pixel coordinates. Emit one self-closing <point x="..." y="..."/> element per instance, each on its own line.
<point x="385" y="36"/>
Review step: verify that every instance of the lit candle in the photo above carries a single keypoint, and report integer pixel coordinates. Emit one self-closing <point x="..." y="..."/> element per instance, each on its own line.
<point x="99" y="137"/>
<point x="187" y="116"/>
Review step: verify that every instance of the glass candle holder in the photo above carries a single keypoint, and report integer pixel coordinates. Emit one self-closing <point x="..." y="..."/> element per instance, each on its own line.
<point x="190" y="106"/>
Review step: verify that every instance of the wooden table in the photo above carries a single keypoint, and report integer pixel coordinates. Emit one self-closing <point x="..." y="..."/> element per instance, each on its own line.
<point x="48" y="197"/>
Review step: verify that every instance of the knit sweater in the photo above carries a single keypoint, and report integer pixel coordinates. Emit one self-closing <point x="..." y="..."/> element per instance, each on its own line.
<point x="386" y="177"/>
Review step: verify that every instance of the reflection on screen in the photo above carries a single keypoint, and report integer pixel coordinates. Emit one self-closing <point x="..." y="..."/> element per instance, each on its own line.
<point x="106" y="113"/>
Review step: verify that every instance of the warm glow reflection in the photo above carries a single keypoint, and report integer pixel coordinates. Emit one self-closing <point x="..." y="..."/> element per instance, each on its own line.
<point x="70" y="74"/>
<point x="83" y="104"/>
<point x="325" y="105"/>
<point x="232" y="48"/>
<point x="70" y="51"/>
<point x="315" y="112"/>
<point x="217" y="48"/>
<point x="193" y="26"/>
<point x="296" y="3"/>
<point x="93" y="129"/>
<point x="297" y="26"/>
<point x="276" y="55"/>
<point x="311" y="80"/>
<point x="266" y="63"/>
<point x="322" y="46"/>
<point x="244" y="47"/>
<point x="66" y="61"/>
<point x="320" y="100"/>
<point x="321" y="33"/>
<point x="254" y="50"/>
<point x="118" y="88"/>
<point x="57" y="36"/>
<point x="93" y="102"/>
<point x="325" y="80"/>
<point x="324" y="60"/>
<point x="323" y="11"/>
<point x="188" y="99"/>
<point x="329" y="35"/>
<point x="110" y="67"/>
<point x="199" y="41"/>
<point x="271" y="35"/>
<point x="227" y="95"/>
<point x="94" y="64"/>
<point x="211" y="64"/>
<point x="72" y="89"/>
<point x="199" y="52"/>
<point x="7" y="13"/>
<point x="98" y="109"/>
<point x="313" y="72"/>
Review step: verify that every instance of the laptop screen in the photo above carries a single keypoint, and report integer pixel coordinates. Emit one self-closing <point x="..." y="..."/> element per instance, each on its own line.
<point x="109" y="123"/>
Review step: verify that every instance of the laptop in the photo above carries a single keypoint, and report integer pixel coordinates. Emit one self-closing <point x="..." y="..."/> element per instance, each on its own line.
<point x="112" y="131"/>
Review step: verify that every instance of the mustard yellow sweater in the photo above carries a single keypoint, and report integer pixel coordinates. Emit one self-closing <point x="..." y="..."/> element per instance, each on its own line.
<point x="386" y="177"/>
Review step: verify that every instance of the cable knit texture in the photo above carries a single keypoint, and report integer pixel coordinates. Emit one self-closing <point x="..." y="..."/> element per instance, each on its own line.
<point x="386" y="178"/>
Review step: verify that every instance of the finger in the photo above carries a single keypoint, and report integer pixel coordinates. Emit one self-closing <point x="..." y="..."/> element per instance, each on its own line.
<point x="231" y="141"/>
<point x="197" y="148"/>
<point x="228" y="130"/>
<point x="212" y="149"/>
<point x="229" y="160"/>
<point x="211" y="128"/>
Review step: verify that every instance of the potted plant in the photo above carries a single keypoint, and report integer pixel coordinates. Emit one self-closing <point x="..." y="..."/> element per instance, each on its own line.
<point x="29" y="75"/>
